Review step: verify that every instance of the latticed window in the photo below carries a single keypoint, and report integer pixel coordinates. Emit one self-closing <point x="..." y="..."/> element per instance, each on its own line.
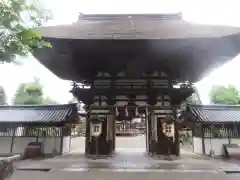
<point x="96" y="129"/>
<point x="168" y="129"/>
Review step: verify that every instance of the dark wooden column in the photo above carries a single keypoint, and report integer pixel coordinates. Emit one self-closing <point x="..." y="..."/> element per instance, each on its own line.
<point x="147" y="130"/>
<point x="153" y="146"/>
<point x="176" y="134"/>
<point x="203" y="139"/>
<point x="111" y="134"/>
<point x="112" y="118"/>
<point x="114" y="132"/>
<point x="87" y="134"/>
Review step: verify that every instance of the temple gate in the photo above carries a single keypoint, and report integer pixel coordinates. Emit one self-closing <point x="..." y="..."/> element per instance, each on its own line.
<point x="135" y="64"/>
<point x="120" y="97"/>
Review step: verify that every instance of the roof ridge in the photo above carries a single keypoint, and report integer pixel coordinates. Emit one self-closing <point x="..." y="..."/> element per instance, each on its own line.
<point x="168" y="16"/>
<point x="52" y="106"/>
<point x="213" y="106"/>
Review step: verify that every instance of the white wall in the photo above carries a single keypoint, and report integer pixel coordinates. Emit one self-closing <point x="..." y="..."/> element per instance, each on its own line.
<point x="66" y="144"/>
<point x="77" y="144"/>
<point x="235" y="141"/>
<point x="20" y="143"/>
<point x="214" y="144"/>
<point x="50" y="144"/>
<point x="197" y="145"/>
<point x="5" y="145"/>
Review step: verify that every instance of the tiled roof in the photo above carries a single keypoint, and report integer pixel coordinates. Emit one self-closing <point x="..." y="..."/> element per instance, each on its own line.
<point x="38" y="113"/>
<point x="141" y="26"/>
<point x="216" y="113"/>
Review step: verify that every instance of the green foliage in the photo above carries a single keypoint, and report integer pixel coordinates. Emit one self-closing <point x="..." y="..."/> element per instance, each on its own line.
<point x="35" y="88"/>
<point x="21" y="95"/>
<point x="31" y="93"/>
<point x="2" y="96"/>
<point x="224" y="95"/>
<point x="32" y="99"/>
<point x="17" y="22"/>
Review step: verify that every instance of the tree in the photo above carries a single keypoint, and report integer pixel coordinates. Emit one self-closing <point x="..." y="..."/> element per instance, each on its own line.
<point x="17" y="22"/>
<point x="2" y="96"/>
<point x="21" y="95"/>
<point x="224" y="95"/>
<point x="35" y="92"/>
<point x="31" y="93"/>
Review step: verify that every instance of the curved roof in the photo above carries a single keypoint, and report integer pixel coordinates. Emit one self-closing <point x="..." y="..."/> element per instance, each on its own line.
<point x="216" y="113"/>
<point x="135" y="26"/>
<point x="96" y="42"/>
<point x="38" y="113"/>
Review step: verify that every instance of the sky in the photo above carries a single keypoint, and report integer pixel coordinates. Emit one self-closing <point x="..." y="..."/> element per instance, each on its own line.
<point x="219" y="12"/>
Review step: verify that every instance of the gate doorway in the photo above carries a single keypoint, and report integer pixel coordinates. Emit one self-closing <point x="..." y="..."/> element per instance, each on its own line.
<point x="186" y="140"/>
<point x="78" y="137"/>
<point x="131" y="136"/>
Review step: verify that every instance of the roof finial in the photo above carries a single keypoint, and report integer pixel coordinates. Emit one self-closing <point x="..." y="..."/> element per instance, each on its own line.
<point x="80" y="15"/>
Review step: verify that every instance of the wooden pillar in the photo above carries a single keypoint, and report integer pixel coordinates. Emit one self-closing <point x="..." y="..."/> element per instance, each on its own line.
<point x="147" y="130"/>
<point x="13" y="137"/>
<point x="87" y="134"/>
<point x="149" y="133"/>
<point x="110" y="133"/>
<point x="114" y="133"/>
<point x="103" y="144"/>
<point x="203" y="136"/>
<point x="176" y="133"/>
<point x="153" y="134"/>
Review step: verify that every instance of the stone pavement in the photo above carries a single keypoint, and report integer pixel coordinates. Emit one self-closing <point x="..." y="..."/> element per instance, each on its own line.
<point x="98" y="175"/>
<point x="123" y="166"/>
<point x="125" y="160"/>
<point x="129" y="163"/>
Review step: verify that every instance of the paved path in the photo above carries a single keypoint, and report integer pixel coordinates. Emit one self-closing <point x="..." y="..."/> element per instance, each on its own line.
<point x="129" y="163"/>
<point x="97" y="175"/>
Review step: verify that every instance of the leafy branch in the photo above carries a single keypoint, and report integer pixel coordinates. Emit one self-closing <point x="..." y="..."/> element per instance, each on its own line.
<point x="17" y="22"/>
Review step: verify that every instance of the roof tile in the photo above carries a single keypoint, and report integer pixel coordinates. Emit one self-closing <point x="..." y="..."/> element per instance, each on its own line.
<point x="216" y="113"/>
<point x="37" y="113"/>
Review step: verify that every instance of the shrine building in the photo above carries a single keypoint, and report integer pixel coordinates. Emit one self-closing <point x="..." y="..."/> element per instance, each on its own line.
<point x="123" y="65"/>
